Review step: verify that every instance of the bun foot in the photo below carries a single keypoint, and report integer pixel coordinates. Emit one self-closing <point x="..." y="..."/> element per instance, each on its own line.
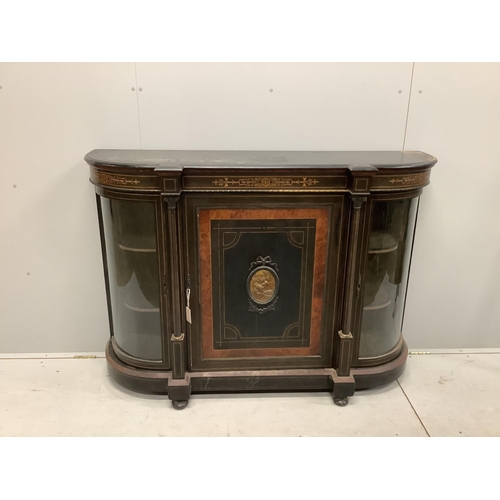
<point x="180" y="405"/>
<point x="341" y="401"/>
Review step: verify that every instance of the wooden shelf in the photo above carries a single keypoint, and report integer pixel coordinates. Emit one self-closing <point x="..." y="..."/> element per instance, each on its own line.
<point x="375" y="306"/>
<point x="381" y="242"/>
<point x="131" y="249"/>
<point x="142" y="309"/>
<point x="382" y="300"/>
<point x="134" y="299"/>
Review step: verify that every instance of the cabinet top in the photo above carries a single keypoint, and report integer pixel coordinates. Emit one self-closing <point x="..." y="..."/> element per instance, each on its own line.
<point x="139" y="158"/>
<point x="171" y="172"/>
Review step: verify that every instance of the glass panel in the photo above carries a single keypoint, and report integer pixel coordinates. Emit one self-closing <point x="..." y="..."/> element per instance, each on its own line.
<point x="130" y="238"/>
<point x="386" y="275"/>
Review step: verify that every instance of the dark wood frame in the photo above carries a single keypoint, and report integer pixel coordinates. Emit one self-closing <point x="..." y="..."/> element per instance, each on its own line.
<point x="177" y="189"/>
<point x="333" y="289"/>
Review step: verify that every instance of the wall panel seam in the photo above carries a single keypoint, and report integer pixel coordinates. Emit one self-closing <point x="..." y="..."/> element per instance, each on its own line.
<point x="408" y="107"/>
<point x="138" y="106"/>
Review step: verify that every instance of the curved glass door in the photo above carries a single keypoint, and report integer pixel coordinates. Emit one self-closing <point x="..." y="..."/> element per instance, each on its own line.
<point x="386" y="275"/>
<point x="132" y="259"/>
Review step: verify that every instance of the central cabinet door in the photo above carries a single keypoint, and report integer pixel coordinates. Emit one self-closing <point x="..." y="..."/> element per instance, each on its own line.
<point x="264" y="275"/>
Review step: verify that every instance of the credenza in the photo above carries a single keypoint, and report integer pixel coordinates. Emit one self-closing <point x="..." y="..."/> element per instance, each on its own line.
<point x="235" y="271"/>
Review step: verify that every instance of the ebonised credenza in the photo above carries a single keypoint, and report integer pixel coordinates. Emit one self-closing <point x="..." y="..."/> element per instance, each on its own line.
<point x="233" y="271"/>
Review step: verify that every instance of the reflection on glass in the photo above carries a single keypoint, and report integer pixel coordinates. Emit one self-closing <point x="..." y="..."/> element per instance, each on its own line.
<point x="130" y="238"/>
<point x="386" y="275"/>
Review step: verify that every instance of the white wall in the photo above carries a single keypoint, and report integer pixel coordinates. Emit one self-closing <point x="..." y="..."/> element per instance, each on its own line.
<point x="312" y="106"/>
<point x="454" y="291"/>
<point x="52" y="114"/>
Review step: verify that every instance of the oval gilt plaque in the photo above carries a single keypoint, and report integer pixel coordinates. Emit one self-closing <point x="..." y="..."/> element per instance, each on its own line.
<point x="262" y="285"/>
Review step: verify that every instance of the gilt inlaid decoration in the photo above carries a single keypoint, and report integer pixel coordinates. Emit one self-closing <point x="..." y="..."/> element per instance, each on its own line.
<point x="265" y="182"/>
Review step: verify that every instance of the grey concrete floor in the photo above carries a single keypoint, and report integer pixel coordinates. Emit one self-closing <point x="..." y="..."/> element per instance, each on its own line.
<point x="438" y="395"/>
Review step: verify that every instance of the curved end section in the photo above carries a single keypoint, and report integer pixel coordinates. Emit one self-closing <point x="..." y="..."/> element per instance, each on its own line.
<point x="375" y="376"/>
<point x="135" y="379"/>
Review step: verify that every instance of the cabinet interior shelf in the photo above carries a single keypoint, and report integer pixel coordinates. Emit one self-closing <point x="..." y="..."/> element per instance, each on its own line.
<point x="142" y="309"/>
<point x="381" y="300"/>
<point x="375" y="306"/>
<point x="381" y="242"/>
<point x="132" y="249"/>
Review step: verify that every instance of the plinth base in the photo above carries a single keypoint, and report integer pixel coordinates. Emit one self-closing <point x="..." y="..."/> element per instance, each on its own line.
<point x="300" y="380"/>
